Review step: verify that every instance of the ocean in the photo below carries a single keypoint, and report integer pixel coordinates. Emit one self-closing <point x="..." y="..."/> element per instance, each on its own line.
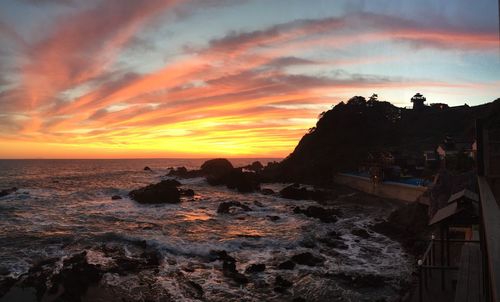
<point x="63" y="207"/>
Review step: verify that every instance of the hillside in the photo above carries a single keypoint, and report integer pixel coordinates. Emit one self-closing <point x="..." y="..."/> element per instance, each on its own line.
<point x="345" y="134"/>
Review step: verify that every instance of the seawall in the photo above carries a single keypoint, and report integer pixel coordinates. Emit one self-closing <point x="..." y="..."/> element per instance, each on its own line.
<point x="386" y="189"/>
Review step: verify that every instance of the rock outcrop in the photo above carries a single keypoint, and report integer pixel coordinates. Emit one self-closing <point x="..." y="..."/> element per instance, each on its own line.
<point x="165" y="191"/>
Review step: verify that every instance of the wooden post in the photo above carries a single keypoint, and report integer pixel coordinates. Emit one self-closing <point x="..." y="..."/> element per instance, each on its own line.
<point x="441" y="247"/>
<point x="420" y="289"/>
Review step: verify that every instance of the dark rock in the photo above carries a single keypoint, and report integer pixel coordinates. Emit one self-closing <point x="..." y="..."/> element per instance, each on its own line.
<point x="273" y="217"/>
<point x="187" y="192"/>
<point x="255" y="268"/>
<point x="116" y="197"/>
<point x="163" y="192"/>
<point x="229" y="267"/>
<point x="256" y="166"/>
<point x="216" y="167"/>
<point x="238" y="278"/>
<point x="292" y="192"/>
<point x="258" y="203"/>
<point x="362" y="281"/>
<point x="182" y="172"/>
<point x="198" y="294"/>
<point x="360" y="233"/>
<point x="244" y="182"/>
<point x="171" y="182"/>
<point x="146" y="168"/>
<point x="299" y="299"/>
<point x="307" y="259"/>
<point x="281" y="284"/>
<point x="267" y="191"/>
<point x="6" y="284"/>
<point x="288" y="265"/>
<point x="7" y="191"/>
<point x="405" y="224"/>
<point x="225" y="207"/>
<point x="299" y="193"/>
<point x="323" y="214"/>
<point x="75" y="277"/>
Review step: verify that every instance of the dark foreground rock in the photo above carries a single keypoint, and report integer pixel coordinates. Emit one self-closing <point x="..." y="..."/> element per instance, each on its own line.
<point x="287" y="265"/>
<point x="297" y="192"/>
<point x="146" y="168"/>
<point x="229" y="267"/>
<point x="406" y="224"/>
<point x="229" y="206"/>
<point x="244" y="182"/>
<point x="183" y="172"/>
<point x="255" y="268"/>
<point x="323" y="214"/>
<point x="7" y="191"/>
<point x="216" y="167"/>
<point x="116" y="197"/>
<point x="281" y="284"/>
<point x="362" y="281"/>
<point x="307" y="259"/>
<point x="163" y="192"/>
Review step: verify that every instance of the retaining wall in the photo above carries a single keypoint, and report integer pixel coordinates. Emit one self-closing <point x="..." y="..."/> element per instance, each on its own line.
<point x="386" y="189"/>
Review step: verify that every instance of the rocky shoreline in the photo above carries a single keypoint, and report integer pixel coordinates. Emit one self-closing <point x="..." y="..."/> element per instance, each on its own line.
<point x="88" y="275"/>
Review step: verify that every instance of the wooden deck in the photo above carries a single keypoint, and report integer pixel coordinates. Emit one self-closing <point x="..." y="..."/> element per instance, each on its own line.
<point x="470" y="275"/>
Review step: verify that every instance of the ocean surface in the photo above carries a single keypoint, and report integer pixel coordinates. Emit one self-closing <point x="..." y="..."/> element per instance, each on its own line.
<point x="64" y="206"/>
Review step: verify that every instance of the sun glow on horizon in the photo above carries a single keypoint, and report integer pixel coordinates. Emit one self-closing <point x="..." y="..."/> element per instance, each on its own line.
<point x="176" y="78"/>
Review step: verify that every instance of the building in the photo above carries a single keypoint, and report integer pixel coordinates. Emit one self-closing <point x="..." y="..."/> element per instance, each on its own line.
<point x="418" y="101"/>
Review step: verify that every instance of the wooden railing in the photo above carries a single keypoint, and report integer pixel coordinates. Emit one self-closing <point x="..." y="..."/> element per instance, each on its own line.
<point x="490" y="236"/>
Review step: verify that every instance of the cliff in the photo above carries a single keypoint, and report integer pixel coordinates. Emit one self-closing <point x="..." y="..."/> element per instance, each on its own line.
<point x="343" y="136"/>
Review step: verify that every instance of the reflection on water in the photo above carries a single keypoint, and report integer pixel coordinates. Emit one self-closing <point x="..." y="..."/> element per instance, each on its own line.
<point x="63" y="207"/>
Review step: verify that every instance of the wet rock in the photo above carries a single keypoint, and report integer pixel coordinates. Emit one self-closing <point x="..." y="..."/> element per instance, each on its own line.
<point x="172" y="182"/>
<point x="281" y="284"/>
<point x="256" y="166"/>
<point x="216" y="167"/>
<point x="6" y="284"/>
<point x="297" y="192"/>
<point x="287" y="265"/>
<point x="307" y="259"/>
<point x="244" y="182"/>
<point x="227" y="207"/>
<point x="197" y="291"/>
<point x="187" y="192"/>
<point x="267" y="191"/>
<point x="323" y="214"/>
<point x="182" y="172"/>
<point x="146" y="168"/>
<point x="6" y="192"/>
<point x="299" y="299"/>
<point x="255" y="268"/>
<point x="360" y="233"/>
<point x="116" y="197"/>
<point x="273" y="217"/>
<point x="258" y="203"/>
<point x="362" y="281"/>
<point x="229" y="268"/>
<point x="75" y="278"/>
<point x="163" y="192"/>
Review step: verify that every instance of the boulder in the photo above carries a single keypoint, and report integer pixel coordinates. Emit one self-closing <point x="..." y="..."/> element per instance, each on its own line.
<point x="229" y="267"/>
<point x="287" y="265"/>
<point x="216" y="167"/>
<point x="244" y="182"/>
<point x="116" y="197"/>
<point x="281" y="284"/>
<point x="227" y="206"/>
<point x="255" y="268"/>
<point x="307" y="259"/>
<point x="362" y="281"/>
<point x="163" y="192"/>
<point x="267" y="191"/>
<point x="7" y="191"/>
<point x="187" y="192"/>
<point x="297" y="192"/>
<point x="360" y="233"/>
<point x="146" y="168"/>
<point x="273" y="217"/>
<point x="324" y="214"/>
<point x="256" y="166"/>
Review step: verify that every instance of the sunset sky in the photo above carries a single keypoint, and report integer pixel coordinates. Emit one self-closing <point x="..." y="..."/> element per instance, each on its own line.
<point x="234" y="78"/>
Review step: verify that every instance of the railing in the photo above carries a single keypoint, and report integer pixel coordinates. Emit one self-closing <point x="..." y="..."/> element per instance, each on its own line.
<point x="428" y="263"/>
<point x="490" y="222"/>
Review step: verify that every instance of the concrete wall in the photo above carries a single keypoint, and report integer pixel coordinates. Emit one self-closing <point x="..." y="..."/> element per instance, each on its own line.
<point x="386" y="189"/>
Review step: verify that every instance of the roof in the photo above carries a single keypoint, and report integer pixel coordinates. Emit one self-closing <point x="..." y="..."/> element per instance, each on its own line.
<point x="464" y="193"/>
<point x="445" y="212"/>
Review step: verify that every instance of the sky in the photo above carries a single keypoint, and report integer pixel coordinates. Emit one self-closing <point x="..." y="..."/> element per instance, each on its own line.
<point x="232" y="78"/>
